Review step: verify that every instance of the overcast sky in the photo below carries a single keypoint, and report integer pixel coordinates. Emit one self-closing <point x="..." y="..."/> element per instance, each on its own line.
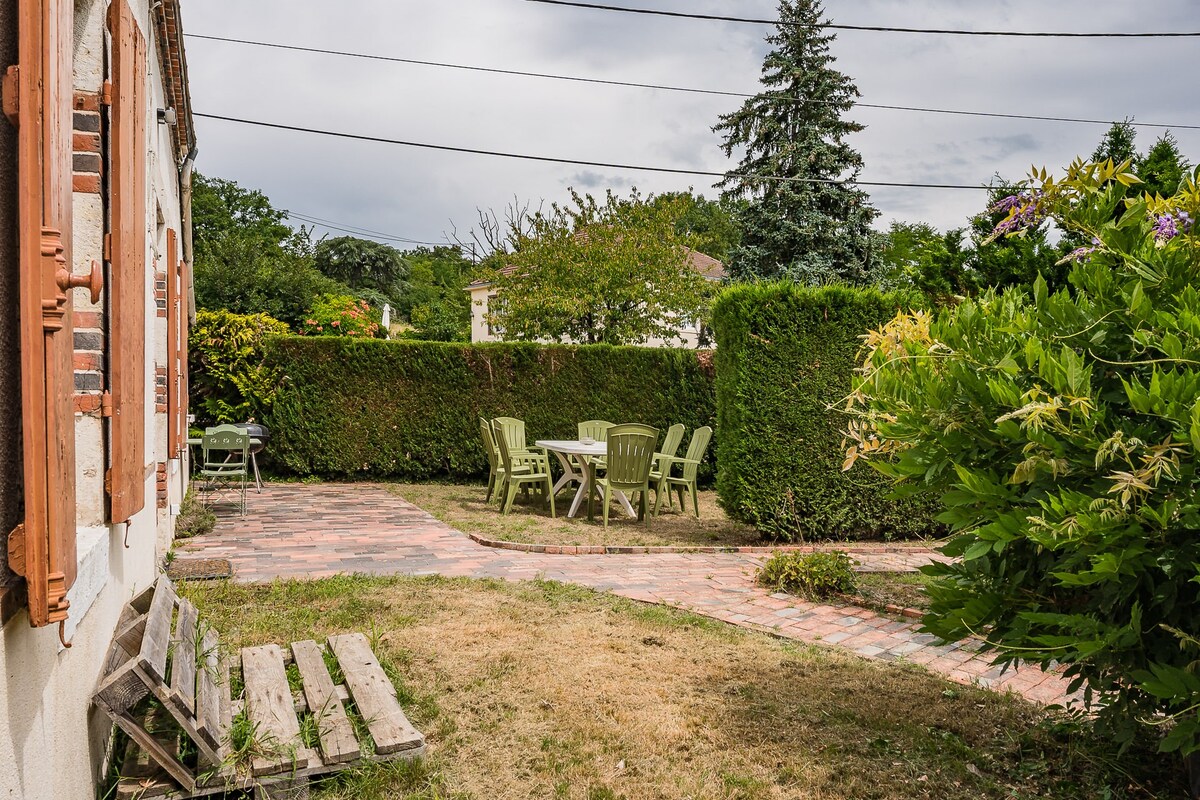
<point x="423" y="195"/>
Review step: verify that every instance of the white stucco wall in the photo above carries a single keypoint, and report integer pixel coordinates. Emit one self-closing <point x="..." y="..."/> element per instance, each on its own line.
<point x="52" y="742"/>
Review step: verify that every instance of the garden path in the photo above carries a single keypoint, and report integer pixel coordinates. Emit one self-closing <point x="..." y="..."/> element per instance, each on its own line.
<point x="320" y="530"/>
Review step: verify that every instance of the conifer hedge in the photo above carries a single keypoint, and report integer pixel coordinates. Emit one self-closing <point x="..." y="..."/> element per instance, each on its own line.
<point x="352" y="408"/>
<point x="784" y="361"/>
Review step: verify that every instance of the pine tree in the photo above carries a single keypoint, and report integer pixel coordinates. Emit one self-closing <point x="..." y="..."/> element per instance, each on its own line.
<point x="1163" y="167"/>
<point x="815" y="227"/>
<point x="1118" y="144"/>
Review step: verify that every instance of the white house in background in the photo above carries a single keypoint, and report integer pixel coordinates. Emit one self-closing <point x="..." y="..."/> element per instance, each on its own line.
<point x="481" y="292"/>
<point x="96" y="155"/>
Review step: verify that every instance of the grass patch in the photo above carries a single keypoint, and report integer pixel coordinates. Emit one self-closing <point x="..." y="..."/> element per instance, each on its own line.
<point x="464" y="508"/>
<point x="543" y="690"/>
<point x="195" y="518"/>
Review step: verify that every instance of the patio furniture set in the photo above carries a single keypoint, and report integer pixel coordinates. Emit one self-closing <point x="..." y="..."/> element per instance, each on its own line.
<point x="616" y="461"/>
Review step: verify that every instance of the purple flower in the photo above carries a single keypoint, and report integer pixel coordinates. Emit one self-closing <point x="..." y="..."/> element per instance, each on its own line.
<point x="1081" y="253"/>
<point x="1024" y="211"/>
<point x="1168" y="226"/>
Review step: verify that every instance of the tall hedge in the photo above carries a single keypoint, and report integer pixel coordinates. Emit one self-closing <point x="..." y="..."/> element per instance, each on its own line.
<point x="784" y="358"/>
<point x="410" y="410"/>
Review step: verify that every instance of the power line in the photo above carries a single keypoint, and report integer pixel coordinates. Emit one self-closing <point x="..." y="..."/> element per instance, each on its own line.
<point x="871" y="28"/>
<point x="346" y="227"/>
<point x="662" y="87"/>
<point x="579" y="162"/>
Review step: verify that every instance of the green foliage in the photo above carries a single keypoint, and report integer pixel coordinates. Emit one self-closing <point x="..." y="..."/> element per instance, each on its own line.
<point x="441" y="321"/>
<point x="784" y="360"/>
<point x="362" y="264"/>
<point x="813" y="575"/>
<point x="1060" y="432"/>
<point x="339" y="315"/>
<point x="916" y="256"/>
<point x="247" y="259"/>
<point x="1163" y="168"/>
<point x="611" y="273"/>
<point x="1118" y="145"/>
<point x="1012" y="261"/>
<point x="195" y="518"/>
<point x="362" y="408"/>
<point x="706" y="225"/>
<point x="227" y="379"/>
<point x="816" y="228"/>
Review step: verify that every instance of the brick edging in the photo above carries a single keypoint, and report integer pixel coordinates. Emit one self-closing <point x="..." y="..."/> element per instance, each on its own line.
<point x="617" y="549"/>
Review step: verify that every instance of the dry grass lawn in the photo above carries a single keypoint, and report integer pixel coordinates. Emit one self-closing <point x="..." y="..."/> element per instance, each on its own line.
<point x="540" y="690"/>
<point x="463" y="507"/>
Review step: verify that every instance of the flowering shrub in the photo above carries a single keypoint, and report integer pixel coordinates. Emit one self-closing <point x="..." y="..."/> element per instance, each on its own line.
<point x="227" y="381"/>
<point x="339" y="315"/>
<point x="1060" y="432"/>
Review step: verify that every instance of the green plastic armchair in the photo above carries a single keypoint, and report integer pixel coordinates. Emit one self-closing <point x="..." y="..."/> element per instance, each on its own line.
<point x="627" y="466"/>
<point x="668" y="451"/>
<point x="690" y="465"/>
<point x="594" y="429"/>
<point x="522" y="467"/>
<point x="497" y="473"/>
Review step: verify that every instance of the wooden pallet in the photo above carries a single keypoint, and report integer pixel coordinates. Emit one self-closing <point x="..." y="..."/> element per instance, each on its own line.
<point x="166" y="685"/>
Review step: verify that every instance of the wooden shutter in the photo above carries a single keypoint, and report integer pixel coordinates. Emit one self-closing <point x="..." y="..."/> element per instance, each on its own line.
<point x="128" y="293"/>
<point x="42" y="549"/>
<point x="176" y="321"/>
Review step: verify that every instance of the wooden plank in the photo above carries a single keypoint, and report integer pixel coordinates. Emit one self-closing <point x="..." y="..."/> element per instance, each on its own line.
<point x="157" y="638"/>
<point x="336" y="734"/>
<point x="270" y="709"/>
<point x="160" y="754"/>
<point x="374" y="695"/>
<point x="121" y="689"/>
<point x="129" y="636"/>
<point x="208" y="701"/>
<point x="183" y="660"/>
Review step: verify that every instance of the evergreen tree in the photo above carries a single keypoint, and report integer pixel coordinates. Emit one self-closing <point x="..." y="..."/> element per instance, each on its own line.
<point x="815" y="225"/>
<point x="1163" y="167"/>
<point x="1119" y="145"/>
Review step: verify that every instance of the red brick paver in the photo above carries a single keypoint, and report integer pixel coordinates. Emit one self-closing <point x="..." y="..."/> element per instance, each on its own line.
<point x="315" y="531"/>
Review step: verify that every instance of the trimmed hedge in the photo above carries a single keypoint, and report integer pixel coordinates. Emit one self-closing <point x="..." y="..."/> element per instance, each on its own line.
<point x="410" y="410"/>
<point x="785" y="357"/>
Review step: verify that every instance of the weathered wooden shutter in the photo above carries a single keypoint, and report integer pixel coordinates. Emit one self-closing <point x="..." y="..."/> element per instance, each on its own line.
<point x="42" y="549"/>
<point x="128" y="293"/>
<point x="176" y="326"/>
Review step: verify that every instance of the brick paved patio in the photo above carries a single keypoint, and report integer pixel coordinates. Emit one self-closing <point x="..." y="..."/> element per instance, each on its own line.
<point x="319" y="530"/>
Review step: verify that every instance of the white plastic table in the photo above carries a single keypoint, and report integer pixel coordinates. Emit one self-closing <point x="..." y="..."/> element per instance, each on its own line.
<point x="564" y="449"/>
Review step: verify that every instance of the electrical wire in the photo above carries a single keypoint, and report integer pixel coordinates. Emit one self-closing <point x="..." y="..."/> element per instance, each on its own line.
<point x="347" y="228"/>
<point x="662" y="87"/>
<point x="580" y="162"/>
<point x="871" y="28"/>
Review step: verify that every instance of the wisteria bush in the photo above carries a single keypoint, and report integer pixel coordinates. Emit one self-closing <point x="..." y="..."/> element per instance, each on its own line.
<point x="1060" y="432"/>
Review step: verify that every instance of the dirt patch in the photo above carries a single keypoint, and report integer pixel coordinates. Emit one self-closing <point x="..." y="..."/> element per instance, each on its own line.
<point x="463" y="507"/>
<point x="540" y="690"/>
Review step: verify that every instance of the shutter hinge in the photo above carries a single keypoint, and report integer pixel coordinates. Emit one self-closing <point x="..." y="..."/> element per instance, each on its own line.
<point x="106" y="405"/>
<point x="106" y="93"/>
<point x="10" y="89"/>
<point x="107" y="247"/>
<point x="16" y="549"/>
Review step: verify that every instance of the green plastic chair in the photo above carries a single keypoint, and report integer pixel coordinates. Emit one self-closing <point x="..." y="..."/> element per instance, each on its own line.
<point x="594" y="428"/>
<point x="690" y="464"/>
<point x="522" y="468"/>
<point x="497" y="474"/>
<point x="516" y="435"/>
<point x="670" y="447"/>
<point x="225" y="459"/>
<point x="627" y="465"/>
